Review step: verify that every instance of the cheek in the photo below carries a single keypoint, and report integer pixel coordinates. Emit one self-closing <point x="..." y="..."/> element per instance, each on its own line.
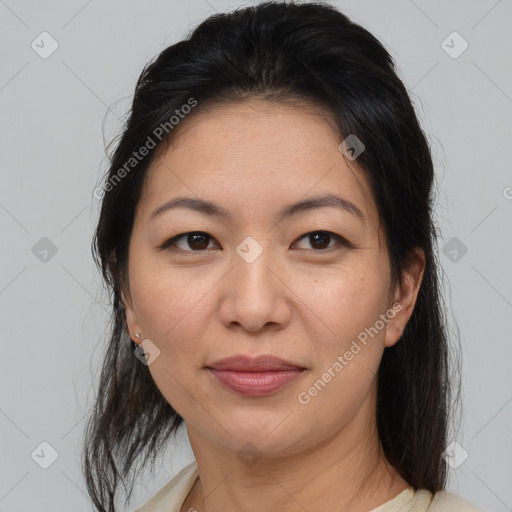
<point x="172" y="304"/>
<point x="348" y="356"/>
<point x="174" y="310"/>
<point x="347" y="302"/>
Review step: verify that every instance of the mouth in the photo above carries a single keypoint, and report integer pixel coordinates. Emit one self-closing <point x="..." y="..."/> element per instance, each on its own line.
<point x="255" y="376"/>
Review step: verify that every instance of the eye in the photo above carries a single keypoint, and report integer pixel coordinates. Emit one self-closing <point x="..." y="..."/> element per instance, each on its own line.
<point x="320" y="240"/>
<point x="199" y="241"/>
<point x="196" y="241"/>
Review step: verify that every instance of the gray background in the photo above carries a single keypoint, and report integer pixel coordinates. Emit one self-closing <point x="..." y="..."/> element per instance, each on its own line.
<point x="53" y="308"/>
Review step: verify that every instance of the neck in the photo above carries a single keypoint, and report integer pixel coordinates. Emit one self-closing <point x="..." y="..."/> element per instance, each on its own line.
<point x="345" y="472"/>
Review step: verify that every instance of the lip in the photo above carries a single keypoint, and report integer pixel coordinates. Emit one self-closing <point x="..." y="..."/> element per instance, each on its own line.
<point x="255" y="376"/>
<point x="261" y="363"/>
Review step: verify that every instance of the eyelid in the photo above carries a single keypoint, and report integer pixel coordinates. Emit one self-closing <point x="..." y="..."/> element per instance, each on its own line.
<point x="170" y="243"/>
<point x="341" y="241"/>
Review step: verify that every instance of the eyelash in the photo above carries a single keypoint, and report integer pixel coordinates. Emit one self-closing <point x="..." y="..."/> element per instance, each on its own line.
<point x="171" y="243"/>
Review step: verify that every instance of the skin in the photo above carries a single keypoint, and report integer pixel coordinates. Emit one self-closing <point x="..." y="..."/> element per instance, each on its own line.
<point x="296" y="301"/>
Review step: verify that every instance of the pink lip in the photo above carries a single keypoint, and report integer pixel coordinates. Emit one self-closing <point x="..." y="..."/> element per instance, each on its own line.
<point x="259" y="376"/>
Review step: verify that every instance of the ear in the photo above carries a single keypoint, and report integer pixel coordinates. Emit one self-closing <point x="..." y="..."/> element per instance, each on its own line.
<point x="405" y="294"/>
<point x="132" y="326"/>
<point x="130" y="317"/>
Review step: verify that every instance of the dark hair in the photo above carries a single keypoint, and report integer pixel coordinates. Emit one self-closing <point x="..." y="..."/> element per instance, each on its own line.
<point x="279" y="51"/>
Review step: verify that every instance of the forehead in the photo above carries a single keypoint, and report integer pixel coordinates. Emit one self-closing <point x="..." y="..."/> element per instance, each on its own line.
<point x="254" y="157"/>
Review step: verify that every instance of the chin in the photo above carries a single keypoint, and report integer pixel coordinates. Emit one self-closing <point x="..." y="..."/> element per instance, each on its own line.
<point x="266" y="439"/>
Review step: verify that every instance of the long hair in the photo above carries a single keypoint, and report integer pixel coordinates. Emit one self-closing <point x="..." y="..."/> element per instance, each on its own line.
<point x="278" y="51"/>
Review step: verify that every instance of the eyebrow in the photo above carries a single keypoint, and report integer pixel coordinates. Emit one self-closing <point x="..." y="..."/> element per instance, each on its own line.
<point x="213" y="210"/>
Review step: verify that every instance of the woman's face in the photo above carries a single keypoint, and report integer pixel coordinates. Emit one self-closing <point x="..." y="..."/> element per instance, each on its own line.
<point x="254" y="283"/>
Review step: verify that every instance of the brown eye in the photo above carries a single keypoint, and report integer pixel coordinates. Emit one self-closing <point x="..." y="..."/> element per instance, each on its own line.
<point x="197" y="241"/>
<point x="320" y="240"/>
<point x="194" y="241"/>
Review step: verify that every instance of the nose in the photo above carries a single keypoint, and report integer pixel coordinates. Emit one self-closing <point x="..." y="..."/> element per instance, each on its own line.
<point x="256" y="296"/>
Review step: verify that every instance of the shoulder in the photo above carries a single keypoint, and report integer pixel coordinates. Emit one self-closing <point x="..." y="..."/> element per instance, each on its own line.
<point x="445" y="501"/>
<point x="171" y="496"/>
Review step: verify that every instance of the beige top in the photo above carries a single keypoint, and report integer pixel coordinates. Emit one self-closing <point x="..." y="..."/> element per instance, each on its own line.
<point x="171" y="497"/>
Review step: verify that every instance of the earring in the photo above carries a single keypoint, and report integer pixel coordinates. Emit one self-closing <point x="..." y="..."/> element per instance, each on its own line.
<point x="137" y="335"/>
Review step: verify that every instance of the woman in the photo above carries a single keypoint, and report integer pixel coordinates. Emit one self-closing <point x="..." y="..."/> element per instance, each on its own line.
<point x="266" y="231"/>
